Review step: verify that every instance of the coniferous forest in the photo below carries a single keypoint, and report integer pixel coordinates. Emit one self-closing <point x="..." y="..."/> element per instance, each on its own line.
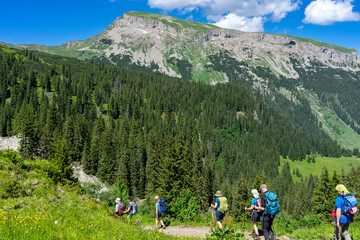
<point x="159" y="135"/>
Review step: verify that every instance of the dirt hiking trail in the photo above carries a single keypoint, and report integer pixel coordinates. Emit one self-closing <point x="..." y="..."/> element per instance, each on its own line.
<point x="198" y="232"/>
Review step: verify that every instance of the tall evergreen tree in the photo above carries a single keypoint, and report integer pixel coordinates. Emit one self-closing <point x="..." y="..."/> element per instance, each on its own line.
<point x="240" y="199"/>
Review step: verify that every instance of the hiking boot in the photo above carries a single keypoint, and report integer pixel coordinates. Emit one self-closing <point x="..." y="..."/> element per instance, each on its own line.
<point x="163" y="227"/>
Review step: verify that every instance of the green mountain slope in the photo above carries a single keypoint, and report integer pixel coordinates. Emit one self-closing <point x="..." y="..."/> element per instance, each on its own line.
<point x="272" y="64"/>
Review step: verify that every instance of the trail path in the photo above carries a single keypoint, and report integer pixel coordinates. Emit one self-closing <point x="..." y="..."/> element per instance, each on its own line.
<point x="199" y="232"/>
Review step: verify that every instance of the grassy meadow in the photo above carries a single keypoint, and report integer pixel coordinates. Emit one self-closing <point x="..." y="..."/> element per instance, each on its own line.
<point x="332" y="164"/>
<point x="33" y="207"/>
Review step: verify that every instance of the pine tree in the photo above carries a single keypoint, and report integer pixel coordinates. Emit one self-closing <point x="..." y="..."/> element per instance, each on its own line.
<point x="107" y="160"/>
<point x="30" y="139"/>
<point x="322" y="201"/>
<point x="240" y="199"/>
<point x="62" y="159"/>
<point x="257" y="183"/>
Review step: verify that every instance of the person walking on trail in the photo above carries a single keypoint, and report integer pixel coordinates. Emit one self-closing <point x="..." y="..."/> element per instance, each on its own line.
<point x="255" y="214"/>
<point x="221" y="207"/>
<point x="158" y="214"/>
<point x="342" y="220"/>
<point x="131" y="209"/>
<point x="119" y="207"/>
<point x="270" y="207"/>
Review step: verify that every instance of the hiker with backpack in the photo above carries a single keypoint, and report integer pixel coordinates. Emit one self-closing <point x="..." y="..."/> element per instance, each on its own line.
<point x="132" y="208"/>
<point x="159" y="212"/>
<point x="221" y="207"/>
<point x="270" y="207"/>
<point x="255" y="214"/>
<point x="345" y="208"/>
<point x="119" y="207"/>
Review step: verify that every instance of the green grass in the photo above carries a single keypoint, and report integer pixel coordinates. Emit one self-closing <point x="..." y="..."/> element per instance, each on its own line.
<point x="176" y="23"/>
<point x="332" y="164"/>
<point x="318" y="43"/>
<point x="332" y="124"/>
<point x="32" y="206"/>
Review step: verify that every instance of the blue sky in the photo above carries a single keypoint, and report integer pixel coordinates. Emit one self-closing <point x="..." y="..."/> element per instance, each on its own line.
<point x="57" y="22"/>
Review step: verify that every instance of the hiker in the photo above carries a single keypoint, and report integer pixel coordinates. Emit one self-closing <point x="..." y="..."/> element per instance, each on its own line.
<point x="342" y="220"/>
<point x="255" y="214"/>
<point x="119" y="207"/>
<point x="158" y="214"/>
<point x="221" y="207"/>
<point x="270" y="207"/>
<point x="132" y="208"/>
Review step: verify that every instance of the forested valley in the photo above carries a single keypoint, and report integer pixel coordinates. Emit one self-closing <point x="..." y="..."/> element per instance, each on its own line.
<point x="160" y="135"/>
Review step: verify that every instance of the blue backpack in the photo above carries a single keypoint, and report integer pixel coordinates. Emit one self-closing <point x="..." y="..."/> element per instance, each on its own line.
<point x="272" y="205"/>
<point x="162" y="206"/>
<point x="350" y="204"/>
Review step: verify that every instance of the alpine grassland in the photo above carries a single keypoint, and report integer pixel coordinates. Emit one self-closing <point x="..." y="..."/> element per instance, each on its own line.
<point x="308" y="167"/>
<point x="33" y="206"/>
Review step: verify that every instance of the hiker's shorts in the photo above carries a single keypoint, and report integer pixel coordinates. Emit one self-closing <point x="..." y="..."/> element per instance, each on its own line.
<point x="219" y="216"/>
<point x="159" y="215"/>
<point x="255" y="216"/>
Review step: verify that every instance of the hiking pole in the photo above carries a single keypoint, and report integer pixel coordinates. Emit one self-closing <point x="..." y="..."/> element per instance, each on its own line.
<point x="243" y="222"/>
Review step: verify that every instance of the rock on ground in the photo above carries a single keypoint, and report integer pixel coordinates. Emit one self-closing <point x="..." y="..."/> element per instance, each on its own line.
<point x="85" y="178"/>
<point x="10" y="143"/>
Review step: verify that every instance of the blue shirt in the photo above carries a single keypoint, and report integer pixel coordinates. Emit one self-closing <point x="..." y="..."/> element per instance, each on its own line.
<point x="218" y="206"/>
<point x="339" y="203"/>
<point x="157" y="205"/>
<point x="253" y="202"/>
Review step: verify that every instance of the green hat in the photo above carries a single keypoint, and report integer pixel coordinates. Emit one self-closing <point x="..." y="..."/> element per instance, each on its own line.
<point x="218" y="194"/>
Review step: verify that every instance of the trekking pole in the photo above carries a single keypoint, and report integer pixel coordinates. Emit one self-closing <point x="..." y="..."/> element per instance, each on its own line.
<point x="243" y="221"/>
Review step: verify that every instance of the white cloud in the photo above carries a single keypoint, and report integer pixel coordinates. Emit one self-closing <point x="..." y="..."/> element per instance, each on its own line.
<point x="232" y="21"/>
<point x="326" y="12"/>
<point x="247" y="8"/>
<point x="177" y="4"/>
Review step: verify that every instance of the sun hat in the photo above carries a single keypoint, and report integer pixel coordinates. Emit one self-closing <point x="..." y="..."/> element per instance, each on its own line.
<point x="262" y="186"/>
<point x="218" y="194"/>
<point x="255" y="193"/>
<point x="117" y="200"/>
<point x="156" y="197"/>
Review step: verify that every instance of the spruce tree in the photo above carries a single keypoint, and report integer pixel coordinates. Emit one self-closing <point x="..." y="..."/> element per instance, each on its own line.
<point x="322" y="199"/>
<point x="240" y="199"/>
<point x="30" y="138"/>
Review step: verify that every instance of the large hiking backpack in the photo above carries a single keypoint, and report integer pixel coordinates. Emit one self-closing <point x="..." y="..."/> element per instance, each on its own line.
<point x="162" y="206"/>
<point x="272" y="205"/>
<point x="224" y="207"/>
<point x="134" y="208"/>
<point x="121" y="209"/>
<point x="350" y="204"/>
<point x="258" y="204"/>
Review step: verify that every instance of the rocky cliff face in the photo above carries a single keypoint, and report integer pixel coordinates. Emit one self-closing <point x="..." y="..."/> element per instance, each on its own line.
<point x="156" y="38"/>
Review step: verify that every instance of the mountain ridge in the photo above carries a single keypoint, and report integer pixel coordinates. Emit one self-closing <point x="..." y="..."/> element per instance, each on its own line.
<point x="284" y="69"/>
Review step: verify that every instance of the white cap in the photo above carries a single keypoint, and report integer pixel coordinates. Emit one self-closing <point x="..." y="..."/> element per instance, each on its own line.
<point x="255" y="193"/>
<point x="156" y="197"/>
<point x="117" y="200"/>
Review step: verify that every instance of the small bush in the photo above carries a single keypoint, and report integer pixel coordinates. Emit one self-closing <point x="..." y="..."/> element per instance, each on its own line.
<point x="309" y="221"/>
<point x="185" y="207"/>
<point x="12" y="189"/>
<point x="227" y="232"/>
